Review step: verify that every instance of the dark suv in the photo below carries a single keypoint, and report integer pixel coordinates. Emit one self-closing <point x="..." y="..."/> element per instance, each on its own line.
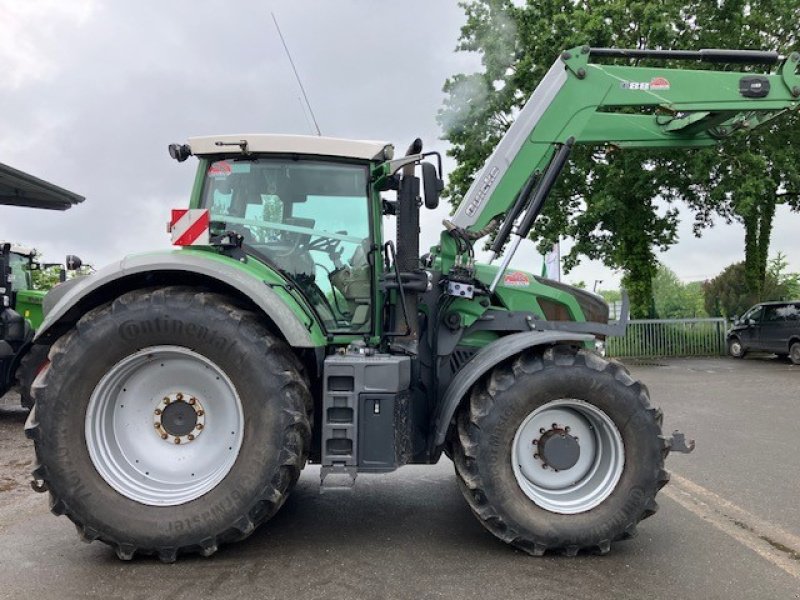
<point x="768" y="327"/>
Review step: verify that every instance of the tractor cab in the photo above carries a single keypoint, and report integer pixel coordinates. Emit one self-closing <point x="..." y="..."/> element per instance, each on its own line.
<point x="302" y="205"/>
<point x="21" y="261"/>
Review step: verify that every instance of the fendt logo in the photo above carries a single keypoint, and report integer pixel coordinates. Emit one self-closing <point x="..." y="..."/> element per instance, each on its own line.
<point x="655" y="84"/>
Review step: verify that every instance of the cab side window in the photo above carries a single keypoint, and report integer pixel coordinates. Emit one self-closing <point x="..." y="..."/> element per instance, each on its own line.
<point x="790" y="312"/>
<point x="774" y="313"/>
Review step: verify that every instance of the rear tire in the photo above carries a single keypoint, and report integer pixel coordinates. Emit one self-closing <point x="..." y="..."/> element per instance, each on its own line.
<point x="538" y="515"/>
<point x="81" y="454"/>
<point x="794" y="353"/>
<point x="736" y="348"/>
<point x="29" y="367"/>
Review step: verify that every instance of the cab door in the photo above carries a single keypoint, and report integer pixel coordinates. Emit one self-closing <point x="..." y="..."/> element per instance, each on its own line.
<point x="773" y="329"/>
<point x="748" y="334"/>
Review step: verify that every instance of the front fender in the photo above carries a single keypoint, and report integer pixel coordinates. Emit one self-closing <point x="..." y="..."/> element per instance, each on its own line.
<point x="486" y="358"/>
<point x="252" y="280"/>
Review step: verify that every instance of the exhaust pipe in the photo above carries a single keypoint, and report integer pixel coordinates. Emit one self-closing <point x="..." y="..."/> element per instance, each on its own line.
<point x="407" y="237"/>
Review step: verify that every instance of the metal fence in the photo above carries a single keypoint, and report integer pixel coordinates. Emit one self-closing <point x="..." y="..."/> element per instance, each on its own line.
<point x="670" y="337"/>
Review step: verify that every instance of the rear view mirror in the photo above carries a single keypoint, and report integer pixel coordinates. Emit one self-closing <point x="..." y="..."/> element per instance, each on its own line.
<point x="432" y="185"/>
<point x="73" y="262"/>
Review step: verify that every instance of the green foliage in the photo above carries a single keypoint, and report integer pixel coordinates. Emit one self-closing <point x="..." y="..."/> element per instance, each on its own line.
<point x="610" y="296"/>
<point x="729" y="295"/>
<point x="675" y="299"/>
<point x="780" y="284"/>
<point x="607" y="201"/>
<point x="44" y="279"/>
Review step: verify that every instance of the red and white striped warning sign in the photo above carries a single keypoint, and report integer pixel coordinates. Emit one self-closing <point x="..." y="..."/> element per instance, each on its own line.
<point x="189" y="226"/>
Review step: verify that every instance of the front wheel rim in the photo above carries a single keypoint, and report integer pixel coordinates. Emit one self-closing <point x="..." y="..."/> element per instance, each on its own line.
<point x="164" y="426"/>
<point x="598" y="463"/>
<point x="736" y="348"/>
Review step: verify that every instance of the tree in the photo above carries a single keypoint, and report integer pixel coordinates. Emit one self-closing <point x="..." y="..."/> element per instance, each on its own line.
<point x="728" y="294"/>
<point x="780" y="284"/>
<point x="748" y="176"/>
<point x="675" y="299"/>
<point x="619" y="206"/>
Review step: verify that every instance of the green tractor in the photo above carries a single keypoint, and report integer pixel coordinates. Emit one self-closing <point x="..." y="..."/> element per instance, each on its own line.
<point x="22" y="305"/>
<point x="185" y="390"/>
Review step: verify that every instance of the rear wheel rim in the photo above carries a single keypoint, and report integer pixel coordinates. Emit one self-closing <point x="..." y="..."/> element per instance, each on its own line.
<point x="794" y="353"/>
<point x="164" y="426"/>
<point x="593" y="476"/>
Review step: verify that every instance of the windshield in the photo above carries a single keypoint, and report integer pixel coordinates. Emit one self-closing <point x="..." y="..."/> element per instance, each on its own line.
<point x="311" y="219"/>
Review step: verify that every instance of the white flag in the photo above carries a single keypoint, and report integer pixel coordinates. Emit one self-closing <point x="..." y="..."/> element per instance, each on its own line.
<point x="552" y="263"/>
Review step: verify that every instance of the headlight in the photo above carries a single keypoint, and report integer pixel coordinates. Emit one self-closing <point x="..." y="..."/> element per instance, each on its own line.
<point x="600" y="347"/>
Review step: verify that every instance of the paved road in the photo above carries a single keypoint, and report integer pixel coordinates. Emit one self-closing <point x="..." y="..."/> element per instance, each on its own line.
<point x="728" y="526"/>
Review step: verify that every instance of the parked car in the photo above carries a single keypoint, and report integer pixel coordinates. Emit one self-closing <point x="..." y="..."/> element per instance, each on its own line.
<point x="768" y="327"/>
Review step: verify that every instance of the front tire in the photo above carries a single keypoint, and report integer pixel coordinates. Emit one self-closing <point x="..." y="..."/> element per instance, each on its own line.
<point x="736" y="348"/>
<point x="606" y="452"/>
<point x="170" y="422"/>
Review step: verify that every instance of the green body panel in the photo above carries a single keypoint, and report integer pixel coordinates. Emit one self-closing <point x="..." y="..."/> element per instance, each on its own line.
<point x="520" y="291"/>
<point x="29" y="305"/>
<point x="596" y="105"/>
<point x="254" y="268"/>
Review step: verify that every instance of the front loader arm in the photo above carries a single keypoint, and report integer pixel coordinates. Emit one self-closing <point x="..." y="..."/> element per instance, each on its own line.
<point x="583" y="102"/>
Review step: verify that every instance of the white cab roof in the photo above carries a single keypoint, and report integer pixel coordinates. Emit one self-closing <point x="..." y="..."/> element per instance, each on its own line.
<point x="290" y="144"/>
<point x="17" y="249"/>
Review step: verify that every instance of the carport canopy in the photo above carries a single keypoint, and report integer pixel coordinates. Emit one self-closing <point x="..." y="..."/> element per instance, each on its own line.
<point x="20" y="189"/>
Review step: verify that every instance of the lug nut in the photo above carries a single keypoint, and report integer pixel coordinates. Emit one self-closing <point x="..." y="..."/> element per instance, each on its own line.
<point x="535" y="456"/>
<point x="541" y="429"/>
<point x="199" y="426"/>
<point x="200" y="413"/>
<point x="155" y="425"/>
<point x="167" y="400"/>
<point x="190" y="436"/>
<point x="192" y="400"/>
<point x="177" y="440"/>
<point x="179" y="396"/>
<point x="164" y="436"/>
<point x="158" y="411"/>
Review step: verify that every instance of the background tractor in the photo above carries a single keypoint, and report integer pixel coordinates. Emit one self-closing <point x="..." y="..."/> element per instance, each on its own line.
<point x="20" y="302"/>
<point x="185" y="390"/>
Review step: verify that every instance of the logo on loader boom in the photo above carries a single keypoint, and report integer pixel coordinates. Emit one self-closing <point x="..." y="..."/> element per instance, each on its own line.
<point x="189" y="227"/>
<point x="655" y="84"/>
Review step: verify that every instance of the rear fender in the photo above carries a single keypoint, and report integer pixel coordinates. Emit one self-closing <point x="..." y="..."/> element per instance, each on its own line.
<point x="294" y="320"/>
<point x="480" y="364"/>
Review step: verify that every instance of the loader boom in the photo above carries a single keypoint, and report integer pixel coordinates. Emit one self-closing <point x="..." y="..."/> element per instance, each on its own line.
<point x="584" y="102"/>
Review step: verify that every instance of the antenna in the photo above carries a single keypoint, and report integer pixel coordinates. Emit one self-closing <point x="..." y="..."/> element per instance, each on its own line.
<point x="296" y="74"/>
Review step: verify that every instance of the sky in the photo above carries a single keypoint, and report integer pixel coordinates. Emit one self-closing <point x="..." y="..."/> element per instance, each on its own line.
<point x="94" y="91"/>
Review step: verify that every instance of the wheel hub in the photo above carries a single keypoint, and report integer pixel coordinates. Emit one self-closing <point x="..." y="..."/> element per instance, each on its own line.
<point x="558" y="449"/>
<point x="179" y="420"/>
<point x="567" y="456"/>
